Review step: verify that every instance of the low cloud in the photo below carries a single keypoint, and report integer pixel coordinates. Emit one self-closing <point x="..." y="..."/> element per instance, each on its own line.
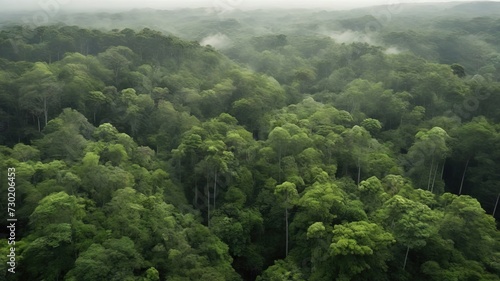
<point x="351" y="37"/>
<point x="393" y="51"/>
<point x="218" y="41"/>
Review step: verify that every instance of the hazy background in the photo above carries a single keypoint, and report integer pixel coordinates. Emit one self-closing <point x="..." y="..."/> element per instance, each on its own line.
<point x="13" y="5"/>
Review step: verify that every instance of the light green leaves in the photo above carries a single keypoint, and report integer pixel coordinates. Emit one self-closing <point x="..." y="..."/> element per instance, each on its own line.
<point x="359" y="238"/>
<point x="411" y="222"/>
<point x="289" y="191"/>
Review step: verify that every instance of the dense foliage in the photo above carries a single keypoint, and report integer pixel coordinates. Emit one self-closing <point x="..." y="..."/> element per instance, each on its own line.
<point x="142" y="156"/>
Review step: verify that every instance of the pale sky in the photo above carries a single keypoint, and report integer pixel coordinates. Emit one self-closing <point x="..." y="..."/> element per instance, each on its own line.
<point x="53" y="5"/>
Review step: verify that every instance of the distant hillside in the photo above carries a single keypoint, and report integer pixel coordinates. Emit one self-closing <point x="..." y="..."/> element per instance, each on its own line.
<point x="485" y="8"/>
<point x="427" y="25"/>
<point x="193" y="23"/>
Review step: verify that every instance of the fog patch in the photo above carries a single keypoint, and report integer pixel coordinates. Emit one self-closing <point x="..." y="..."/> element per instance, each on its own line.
<point x="218" y="41"/>
<point x="392" y="51"/>
<point x="351" y="37"/>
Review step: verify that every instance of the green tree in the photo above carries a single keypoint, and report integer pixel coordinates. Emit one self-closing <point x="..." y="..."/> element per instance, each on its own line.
<point x="115" y="259"/>
<point x="100" y="181"/>
<point x="288" y="192"/>
<point x="361" y="250"/>
<point x="431" y="146"/>
<point x="412" y="223"/>
<point x="95" y="100"/>
<point x="38" y="98"/>
<point x="66" y="136"/>
<point x="279" y="139"/>
<point x="118" y="60"/>
<point x="372" y="194"/>
<point x="471" y="140"/>
<point x="477" y="236"/>
<point x="372" y="125"/>
<point x="57" y="229"/>
<point x="282" y="270"/>
<point x="357" y="142"/>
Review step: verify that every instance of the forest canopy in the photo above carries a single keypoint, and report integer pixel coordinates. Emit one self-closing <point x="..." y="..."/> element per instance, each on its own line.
<point x="279" y="153"/>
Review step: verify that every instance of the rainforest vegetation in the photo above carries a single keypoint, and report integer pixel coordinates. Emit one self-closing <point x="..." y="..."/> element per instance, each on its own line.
<point x="253" y="145"/>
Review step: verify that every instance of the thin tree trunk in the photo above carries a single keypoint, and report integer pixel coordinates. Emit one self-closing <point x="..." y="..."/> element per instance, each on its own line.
<point x="434" y="180"/>
<point x="195" y="202"/>
<point x="279" y="166"/>
<point x="496" y="205"/>
<point x="38" y="120"/>
<point x="286" y="224"/>
<point x="215" y="188"/>
<point x="208" y="206"/>
<point x="359" y="171"/>
<point x="406" y="257"/>
<point x="463" y="177"/>
<point x="442" y="170"/>
<point x="430" y="174"/>
<point x="45" y="111"/>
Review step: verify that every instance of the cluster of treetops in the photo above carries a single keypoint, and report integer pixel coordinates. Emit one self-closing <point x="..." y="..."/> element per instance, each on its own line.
<point x="140" y="156"/>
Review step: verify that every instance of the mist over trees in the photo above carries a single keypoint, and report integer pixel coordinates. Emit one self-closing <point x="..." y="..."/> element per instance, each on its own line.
<point x="254" y="145"/>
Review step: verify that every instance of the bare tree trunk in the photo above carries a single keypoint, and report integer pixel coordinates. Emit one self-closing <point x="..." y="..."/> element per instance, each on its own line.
<point x="406" y="257"/>
<point x="286" y="224"/>
<point x="430" y="174"/>
<point x="463" y="177"/>
<point x="496" y="205"/>
<point x="359" y="171"/>
<point x="279" y="166"/>
<point x="215" y="188"/>
<point x="208" y="205"/>
<point x="45" y="111"/>
<point x="435" y="174"/>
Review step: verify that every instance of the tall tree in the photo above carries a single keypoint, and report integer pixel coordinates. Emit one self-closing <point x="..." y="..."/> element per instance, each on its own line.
<point x="412" y="223"/>
<point x="38" y="98"/>
<point x="430" y="148"/>
<point x="118" y="60"/>
<point x="472" y="139"/>
<point x="288" y="192"/>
